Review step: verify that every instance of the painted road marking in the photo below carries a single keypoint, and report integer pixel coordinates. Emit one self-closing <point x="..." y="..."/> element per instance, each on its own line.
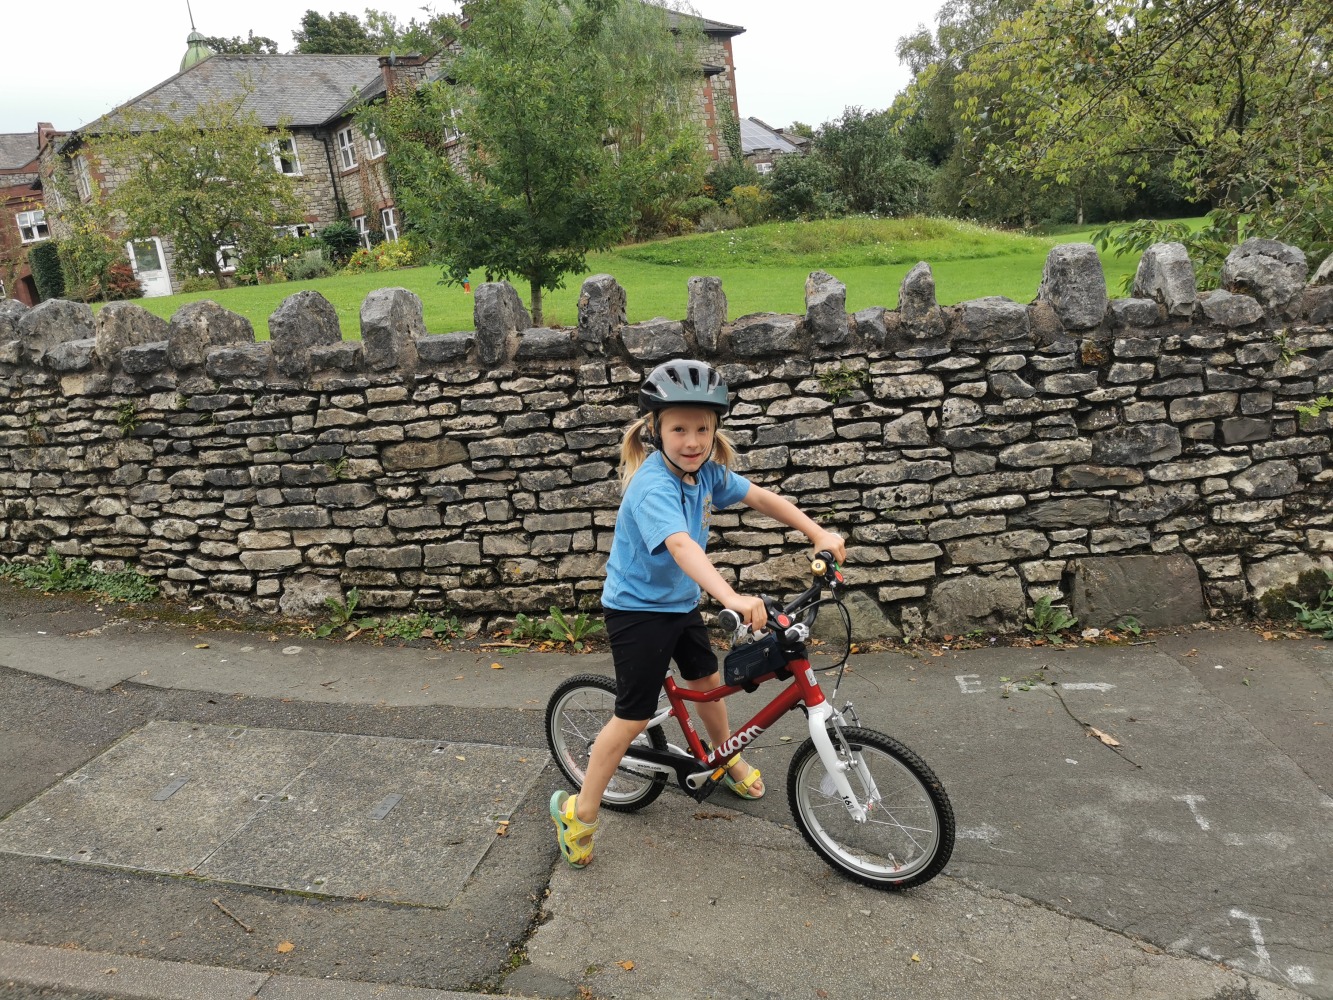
<point x="1296" y="974"/>
<point x="969" y="683"/>
<point x="1101" y="686"/>
<point x="1192" y="801"/>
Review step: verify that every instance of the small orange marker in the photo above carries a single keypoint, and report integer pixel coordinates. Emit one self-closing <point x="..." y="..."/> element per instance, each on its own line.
<point x="467" y="287"/>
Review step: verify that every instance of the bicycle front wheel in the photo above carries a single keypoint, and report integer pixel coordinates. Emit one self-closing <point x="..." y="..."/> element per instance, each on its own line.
<point x="907" y="837"/>
<point x="576" y="713"/>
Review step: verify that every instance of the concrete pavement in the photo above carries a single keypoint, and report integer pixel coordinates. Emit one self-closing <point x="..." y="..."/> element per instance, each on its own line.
<point x="1193" y="859"/>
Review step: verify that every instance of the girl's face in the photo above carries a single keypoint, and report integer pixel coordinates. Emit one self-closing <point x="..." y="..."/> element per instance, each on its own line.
<point x="687" y="435"/>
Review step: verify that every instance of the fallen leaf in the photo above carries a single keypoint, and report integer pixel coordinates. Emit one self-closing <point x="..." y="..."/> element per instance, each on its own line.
<point x="459" y="756"/>
<point x="627" y="965"/>
<point x="497" y="666"/>
<point x="916" y="956"/>
<point x="110" y="972"/>
<point x="1110" y="741"/>
<point x="201" y="645"/>
<point x="285" y="947"/>
<point x="1192" y="652"/>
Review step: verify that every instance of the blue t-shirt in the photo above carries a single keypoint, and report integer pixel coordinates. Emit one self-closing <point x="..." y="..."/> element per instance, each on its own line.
<point x="641" y="575"/>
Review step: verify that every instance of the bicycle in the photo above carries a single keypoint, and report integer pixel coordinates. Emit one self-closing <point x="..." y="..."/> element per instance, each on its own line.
<point x="868" y="805"/>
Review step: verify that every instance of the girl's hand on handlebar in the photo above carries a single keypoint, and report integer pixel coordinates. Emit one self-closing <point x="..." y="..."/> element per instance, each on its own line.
<point x="828" y="541"/>
<point x="751" y="609"/>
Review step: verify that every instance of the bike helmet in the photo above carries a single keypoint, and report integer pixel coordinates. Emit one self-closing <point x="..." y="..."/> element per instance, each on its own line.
<point x="683" y="382"/>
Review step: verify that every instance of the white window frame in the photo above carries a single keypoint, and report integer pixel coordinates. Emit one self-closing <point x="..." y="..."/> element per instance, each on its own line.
<point x="285" y="155"/>
<point x="374" y="146"/>
<point x="363" y="227"/>
<point x="32" y="226"/>
<point x="347" y="148"/>
<point x="298" y="230"/>
<point x="389" y="223"/>
<point x="451" y="129"/>
<point x="83" y="178"/>
<point x="765" y="167"/>
<point x="228" y="257"/>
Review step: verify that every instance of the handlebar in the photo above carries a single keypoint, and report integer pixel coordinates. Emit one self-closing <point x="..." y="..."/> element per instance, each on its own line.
<point x="826" y="572"/>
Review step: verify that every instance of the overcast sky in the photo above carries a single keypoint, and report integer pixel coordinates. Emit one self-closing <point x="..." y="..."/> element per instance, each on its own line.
<point x="797" y="61"/>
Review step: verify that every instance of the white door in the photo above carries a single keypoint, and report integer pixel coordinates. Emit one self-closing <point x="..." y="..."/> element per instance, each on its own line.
<point x="149" y="266"/>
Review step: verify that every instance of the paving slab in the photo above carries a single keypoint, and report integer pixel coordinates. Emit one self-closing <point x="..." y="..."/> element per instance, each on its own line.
<point x="405" y="821"/>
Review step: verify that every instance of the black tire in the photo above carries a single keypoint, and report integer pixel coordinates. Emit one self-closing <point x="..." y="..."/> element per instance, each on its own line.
<point x="576" y="713"/>
<point x="908" y="836"/>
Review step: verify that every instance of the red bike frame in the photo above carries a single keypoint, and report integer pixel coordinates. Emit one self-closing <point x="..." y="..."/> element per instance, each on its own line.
<point x="804" y="689"/>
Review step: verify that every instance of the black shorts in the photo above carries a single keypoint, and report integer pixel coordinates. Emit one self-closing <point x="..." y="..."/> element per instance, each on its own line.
<point x="643" y="644"/>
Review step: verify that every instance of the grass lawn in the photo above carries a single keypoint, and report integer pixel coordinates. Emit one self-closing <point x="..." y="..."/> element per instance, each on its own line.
<point x="763" y="269"/>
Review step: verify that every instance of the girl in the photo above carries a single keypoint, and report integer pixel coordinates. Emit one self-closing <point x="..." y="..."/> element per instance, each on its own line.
<point x="654" y="573"/>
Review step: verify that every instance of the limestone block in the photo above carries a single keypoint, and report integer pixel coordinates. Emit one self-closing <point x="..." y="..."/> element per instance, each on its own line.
<point x="602" y="311"/>
<point x="71" y="356"/>
<point x="303" y="321"/>
<point x="760" y="334"/>
<point x="991" y="602"/>
<point x="1135" y="313"/>
<point x="304" y="595"/>
<point x="197" y="326"/>
<point x="655" y="340"/>
<point x="55" y="321"/>
<point x="921" y="315"/>
<point x="992" y="321"/>
<point x="542" y="344"/>
<point x="391" y="322"/>
<point x="438" y="348"/>
<point x="125" y="324"/>
<point x="1272" y="272"/>
<point x="249" y="361"/>
<point x="499" y="315"/>
<point x="1166" y="275"/>
<point x="1230" y="310"/>
<point x="826" y="309"/>
<point x="1074" y="284"/>
<point x="1158" y="590"/>
<point x="11" y="311"/>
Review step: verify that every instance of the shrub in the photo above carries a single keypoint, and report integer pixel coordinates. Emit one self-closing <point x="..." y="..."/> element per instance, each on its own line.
<point x="724" y="177"/>
<point x="120" y="283"/>
<point x="751" y="203"/>
<point x="804" y="187"/>
<point x="694" y="208"/>
<point x="341" y="238"/>
<point x="716" y="219"/>
<point x="307" y="266"/>
<point x="381" y="257"/>
<point x="200" y="283"/>
<point x="44" y="259"/>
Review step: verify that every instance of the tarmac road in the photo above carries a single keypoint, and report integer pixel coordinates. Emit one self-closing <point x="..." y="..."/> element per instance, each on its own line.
<point x="181" y="814"/>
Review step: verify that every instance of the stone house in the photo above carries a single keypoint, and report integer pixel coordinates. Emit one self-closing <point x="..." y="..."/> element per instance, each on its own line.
<point x="338" y="170"/>
<point x="761" y="144"/>
<point x="22" y="213"/>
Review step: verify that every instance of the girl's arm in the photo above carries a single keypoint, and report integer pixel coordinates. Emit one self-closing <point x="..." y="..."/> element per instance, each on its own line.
<point x="697" y="566"/>
<point x="783" y="510"/>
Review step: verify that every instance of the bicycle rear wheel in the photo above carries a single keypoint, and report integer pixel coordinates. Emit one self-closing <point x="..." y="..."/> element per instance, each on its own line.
<point x="576" y="713"/>
<point x="909" y="830"/>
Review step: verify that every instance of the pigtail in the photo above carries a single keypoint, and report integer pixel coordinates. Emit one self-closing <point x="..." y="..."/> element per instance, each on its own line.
<point x="632" y="451"/>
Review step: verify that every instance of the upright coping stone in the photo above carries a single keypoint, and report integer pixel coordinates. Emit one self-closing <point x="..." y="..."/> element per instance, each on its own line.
<point x="198" y="326"/>
<point x="54" y="322"/>
<point x="706" y="311"/>
<point x="1074" y="284"/>
<point x="922" y="317"/>
<point x="1166" y="275"/>
<point x="303" y="321"/>
<point x="125" y="324"/>
<point x="602" y="312"/>
<point x="826" y="309"/>
<point x="1272" y="272"/>
<point x="391" y="320"/>
<point x="499" y="316"/>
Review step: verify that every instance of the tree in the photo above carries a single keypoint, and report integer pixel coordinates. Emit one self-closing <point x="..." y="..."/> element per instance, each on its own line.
<point x="335" y="34"/>
<point x="236" y="45"/>
<point x="379" y="32"/>
<point x="869" y="172"/>
<point x="573" y="127"/>
<point x="205" y="178"/>
<point x="1233" y="97"/>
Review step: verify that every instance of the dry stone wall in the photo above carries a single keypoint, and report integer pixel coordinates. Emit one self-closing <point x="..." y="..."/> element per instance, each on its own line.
<point x="1136" y="456"/>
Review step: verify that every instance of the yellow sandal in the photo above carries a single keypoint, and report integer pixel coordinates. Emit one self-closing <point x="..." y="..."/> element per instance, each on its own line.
<point x="573" y="835"/>
<point x="743" y="786"/>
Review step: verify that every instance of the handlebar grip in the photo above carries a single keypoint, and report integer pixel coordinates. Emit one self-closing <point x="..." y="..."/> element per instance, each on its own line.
<point x="728" y="619"/>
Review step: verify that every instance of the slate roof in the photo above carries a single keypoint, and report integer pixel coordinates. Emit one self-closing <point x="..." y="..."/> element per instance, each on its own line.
<point x="709" y="27"/>
<point x="755" y="135"/>
<point x="17" y="149"/>
<point x="305" y="89"/>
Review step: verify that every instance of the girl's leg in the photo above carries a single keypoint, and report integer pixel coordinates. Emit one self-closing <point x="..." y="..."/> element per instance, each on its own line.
<point x="714" y="716"/>
<point x="611" y="745"/>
